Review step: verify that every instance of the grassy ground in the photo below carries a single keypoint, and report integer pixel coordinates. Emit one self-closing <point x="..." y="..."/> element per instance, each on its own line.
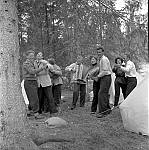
<point x="86" y="132"/>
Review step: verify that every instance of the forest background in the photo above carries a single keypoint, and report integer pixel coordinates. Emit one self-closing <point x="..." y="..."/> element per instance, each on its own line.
<point x="62" y="29"/>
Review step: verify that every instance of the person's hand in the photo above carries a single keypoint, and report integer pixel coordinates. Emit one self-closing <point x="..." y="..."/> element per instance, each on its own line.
<point x="95" y="78"/>
<point x="117" y="65"/>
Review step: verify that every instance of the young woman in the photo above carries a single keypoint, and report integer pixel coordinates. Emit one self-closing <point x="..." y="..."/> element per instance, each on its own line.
<point x="93" y="72"/>
<point x="120" y="80"/>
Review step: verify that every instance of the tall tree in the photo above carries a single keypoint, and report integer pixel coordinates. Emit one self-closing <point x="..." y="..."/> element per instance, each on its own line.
<point x="13" y="133"/>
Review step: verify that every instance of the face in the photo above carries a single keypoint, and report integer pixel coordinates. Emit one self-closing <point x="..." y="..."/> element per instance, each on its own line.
<point x="31" y="56"/>
<point x="119" y="62"/>
<point x="79" y="59"/>
<point x="100" y="53"/>
<point x="93" y="61"/>
<point x="39" y="56"/>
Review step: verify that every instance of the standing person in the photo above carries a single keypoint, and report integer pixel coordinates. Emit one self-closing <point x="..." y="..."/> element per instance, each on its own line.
<point x="104" y="78"/>
<point x="120" y="80"/>
<point x="79" y="72"/>
<point x="92" y="74"/>
<point x="57" y="82"/>
<point x="30" y="82"/>
<point x="45" y="85"/>
<point x="130" y="72"/>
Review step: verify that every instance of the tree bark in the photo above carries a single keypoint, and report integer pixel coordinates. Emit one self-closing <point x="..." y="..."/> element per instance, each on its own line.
<point x="13" y="133"/>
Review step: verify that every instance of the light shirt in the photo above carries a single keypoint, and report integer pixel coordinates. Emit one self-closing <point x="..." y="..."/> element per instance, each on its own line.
<point x="130" y="69"/>
<point x="105" y="67"/>
<point x="43" y="77"/>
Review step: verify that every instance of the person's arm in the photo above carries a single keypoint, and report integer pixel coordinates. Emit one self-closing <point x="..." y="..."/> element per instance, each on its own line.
<point x="31" y="68"/>
<point x="58" y="71"/>
<point x="71" y="67"/>
<point x="127" y="68"/>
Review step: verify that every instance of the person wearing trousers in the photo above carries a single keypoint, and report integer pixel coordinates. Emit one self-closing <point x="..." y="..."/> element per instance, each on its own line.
<point x="120" y="80"/>
<point x="79" y="74"/>
<point x="45" y="86"/>
<point x="92" y="73"/>
<point x="30" y="82"/>
<point x="57" y="82"/>
<point x="130" y="72"/>
<point x="104" y="79"/>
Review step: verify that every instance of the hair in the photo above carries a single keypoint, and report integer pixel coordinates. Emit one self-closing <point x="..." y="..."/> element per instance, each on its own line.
<point x="119" y="58"/>
<point x="100" y="47"/>
<point x="28" y="52"/>
<point x="51" y="61"/>
<point x="92" y="56"/>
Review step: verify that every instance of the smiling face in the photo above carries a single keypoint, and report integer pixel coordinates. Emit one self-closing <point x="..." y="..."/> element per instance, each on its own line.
<point x="31" y="56"/>
<point x="93" y="60"/>
<point x="119" y="61"/>
<point x="39" y="56"/>
<point x="100" y="52"/>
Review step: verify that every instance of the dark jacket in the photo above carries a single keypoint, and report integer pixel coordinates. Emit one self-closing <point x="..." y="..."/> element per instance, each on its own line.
<point x="120" y="75"/>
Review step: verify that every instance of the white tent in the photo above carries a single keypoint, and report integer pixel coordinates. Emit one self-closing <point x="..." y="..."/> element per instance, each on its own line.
<point x="135" y="110"/>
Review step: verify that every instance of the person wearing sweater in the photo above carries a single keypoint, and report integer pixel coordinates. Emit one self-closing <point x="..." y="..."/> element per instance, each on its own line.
<point x="79" y="73"/>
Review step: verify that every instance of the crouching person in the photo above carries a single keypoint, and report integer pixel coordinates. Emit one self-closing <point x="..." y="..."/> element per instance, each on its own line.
<point x="79" y="72"/>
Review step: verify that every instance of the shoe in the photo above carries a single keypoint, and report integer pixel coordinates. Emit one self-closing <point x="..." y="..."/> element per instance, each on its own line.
<point x="100" y="115"/>
<point x="38" y="116"/>
<point x="73" y="107"/>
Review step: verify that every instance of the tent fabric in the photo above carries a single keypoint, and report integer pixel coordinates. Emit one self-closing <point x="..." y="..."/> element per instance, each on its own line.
<point x="134" y="109"/>
<point x="24" y="93"/>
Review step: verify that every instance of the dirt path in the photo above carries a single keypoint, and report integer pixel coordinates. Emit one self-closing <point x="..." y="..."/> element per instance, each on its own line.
<point x="86" y="132"/>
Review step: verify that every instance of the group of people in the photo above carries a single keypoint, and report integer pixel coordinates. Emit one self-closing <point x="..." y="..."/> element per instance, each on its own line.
<point x="43" y="80"/>
<point x="100" y="72"/>
<point x="42" y="83"/>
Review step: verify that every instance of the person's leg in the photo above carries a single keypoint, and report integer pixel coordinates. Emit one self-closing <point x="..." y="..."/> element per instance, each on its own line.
<point x="57" y="94"/>
<point x="31" y="89"/>
<point x="131" y="84"/>
<point x="117" y="92"/>
<point x="49" y="95"/>
<point x="82" y="94"/>
<point x="96" y="86"/>
<point x="123" y="86"/>
<point x="103" y="95"/>
<point x="41" y="99"/>
<point x="76" y="88"/>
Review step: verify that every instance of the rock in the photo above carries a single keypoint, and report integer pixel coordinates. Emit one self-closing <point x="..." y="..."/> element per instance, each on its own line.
<point x="56" y="122"/>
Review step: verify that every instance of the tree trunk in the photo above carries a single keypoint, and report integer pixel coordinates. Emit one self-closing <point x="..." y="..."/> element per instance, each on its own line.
<point x="13" y="133"/>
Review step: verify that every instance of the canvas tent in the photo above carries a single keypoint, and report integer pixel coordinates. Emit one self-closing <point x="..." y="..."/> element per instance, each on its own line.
<point x="135" y="109"/>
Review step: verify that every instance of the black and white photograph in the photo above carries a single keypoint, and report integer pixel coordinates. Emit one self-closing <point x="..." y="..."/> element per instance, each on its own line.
<point x="74" y="75"/>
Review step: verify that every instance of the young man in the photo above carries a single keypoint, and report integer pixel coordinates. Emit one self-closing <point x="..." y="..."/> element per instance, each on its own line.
<point x="79" y="72"/>
<point x="45" y="85"/>
<point x="130" y="73"/>
<point x="104" y="81"/>
<point x="30" y="82"/>
<point x="56" y="77"/>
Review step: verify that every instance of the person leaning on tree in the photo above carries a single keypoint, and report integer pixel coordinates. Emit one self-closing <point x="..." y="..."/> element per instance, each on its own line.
<point x="79" y="72"/>
<point x="30" y="82"/>
<point x="104" y="80"/>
